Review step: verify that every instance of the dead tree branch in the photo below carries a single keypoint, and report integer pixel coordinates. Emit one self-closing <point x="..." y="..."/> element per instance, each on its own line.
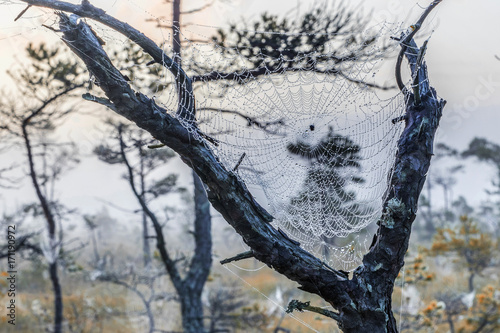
<point x="364" y="301"/>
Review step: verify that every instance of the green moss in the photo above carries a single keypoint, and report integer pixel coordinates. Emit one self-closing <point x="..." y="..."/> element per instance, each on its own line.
<point x="394" y="208"/>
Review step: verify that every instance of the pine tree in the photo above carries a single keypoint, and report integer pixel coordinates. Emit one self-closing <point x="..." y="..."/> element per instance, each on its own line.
<point x="334" y="162"/>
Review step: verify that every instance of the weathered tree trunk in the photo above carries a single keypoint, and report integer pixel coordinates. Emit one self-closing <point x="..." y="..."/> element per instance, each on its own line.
<point x="199" y="269"/>
<point x="191" y="286"/>
<point x="58" y="300"/>
<point x="373" y="282"/>
<point x="51" y="227"/>
<point x="191" y="311"/>
<point x="193" y="283"/>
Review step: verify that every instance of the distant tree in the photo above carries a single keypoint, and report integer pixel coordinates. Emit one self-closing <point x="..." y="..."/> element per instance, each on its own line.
<point x="489" y="152"/>
<point x="474" y="249"/>
<point x="142" y="282"/>
<point x="484" y="315"/>
<point x="128" y="146"/>
<point x="430" y="216"/>
<point x="228" y="308"/>
<point x="26" y="245"/>
<point x="191" y="303"/>
<point x="334" y="162"/>
<point x="42" y="84"/>
<point x="459" y="314"/>
<point x="486" y="151"/>
<point x="449" y="310"/>
<point x="326" y="39"/>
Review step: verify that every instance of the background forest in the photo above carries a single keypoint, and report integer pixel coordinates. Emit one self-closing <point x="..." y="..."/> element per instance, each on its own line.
<point x="113" y="225"/>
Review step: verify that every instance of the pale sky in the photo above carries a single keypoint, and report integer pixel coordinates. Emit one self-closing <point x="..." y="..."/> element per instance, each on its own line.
<point x="460" y="57"/>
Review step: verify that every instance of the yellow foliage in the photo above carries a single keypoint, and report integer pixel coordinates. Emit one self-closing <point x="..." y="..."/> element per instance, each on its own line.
<point x="82" y="313"/>
<point x="430" y="308"/>
<point x="473" y="248"/>
<point x="415" y="270"/>
<point x="485" y="314"/>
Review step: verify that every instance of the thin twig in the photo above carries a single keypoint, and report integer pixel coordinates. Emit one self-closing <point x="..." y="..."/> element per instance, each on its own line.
<point x="404" y="42"/>
<point x="239" y="161"/>
<point x="22" y="13"/>
<point x="199" y="9"/>
<point x="50" y="28"/>
<point x="398" y="119"/>
<point x="103" y="101"/>
<point x="241" y="256"/>
<point x="160" y="145"/>
<point x="250" y="120"/>
<point x="301" y="306"/>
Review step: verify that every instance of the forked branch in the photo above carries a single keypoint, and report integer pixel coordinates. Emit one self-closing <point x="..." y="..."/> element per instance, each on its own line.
<point x="226" y="192"/>
<point x="406" y="43"/>
<point x="363" y="302"/>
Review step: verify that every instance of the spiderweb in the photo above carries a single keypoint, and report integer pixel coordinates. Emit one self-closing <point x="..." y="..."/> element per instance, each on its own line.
<point x="295" y="122"/>
<point x="323" y="160"/>
<point x="320" y="146"/>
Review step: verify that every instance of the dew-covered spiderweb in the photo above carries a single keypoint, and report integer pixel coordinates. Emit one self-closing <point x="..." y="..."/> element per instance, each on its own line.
<point x="303" y="126"/>
<point x="317" y="143"/>
<point x="319" y="147"/>
<point x="305" y="132"/>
